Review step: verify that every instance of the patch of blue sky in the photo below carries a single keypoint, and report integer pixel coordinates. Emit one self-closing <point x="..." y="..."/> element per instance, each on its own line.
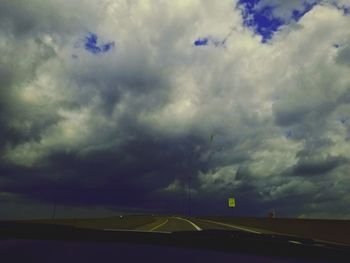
<point x="345" y="9"/>
<point x="261" y="20"/>
<point x="92" y="44"/>
<point x="217" y="42"/>
<point x="307" y="6"/>
<point x="201" y="41"/>
<point x="209" y="40"/>
<point x="264" y="21"/>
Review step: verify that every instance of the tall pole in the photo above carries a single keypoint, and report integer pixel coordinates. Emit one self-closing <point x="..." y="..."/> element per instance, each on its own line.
<point x="59" y="178"/>
<point x="54" y="209"/>
<point x="189" y="195"/>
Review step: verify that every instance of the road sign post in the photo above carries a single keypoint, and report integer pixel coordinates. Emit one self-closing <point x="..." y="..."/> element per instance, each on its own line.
<point x="231" y="202"/>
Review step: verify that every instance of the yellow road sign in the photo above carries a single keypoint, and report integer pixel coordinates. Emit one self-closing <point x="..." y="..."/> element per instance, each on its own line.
<point x="231" y="202"/>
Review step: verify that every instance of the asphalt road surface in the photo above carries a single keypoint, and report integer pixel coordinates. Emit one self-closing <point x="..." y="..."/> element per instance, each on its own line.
<point x="175" y="223"/>
<point x="332" y="231"/>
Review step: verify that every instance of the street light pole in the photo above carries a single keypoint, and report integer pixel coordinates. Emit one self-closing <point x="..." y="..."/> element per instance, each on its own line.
<point x="189" y="195"/>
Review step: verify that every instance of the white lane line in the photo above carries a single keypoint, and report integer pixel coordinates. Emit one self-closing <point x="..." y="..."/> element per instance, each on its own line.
<point x="330" y="242"/>
<point x="162" y="224"/>
<point x="188" y="221"/>
<point x="123" y="230"/>
<point x="232" y="226"/>
<point x="295" y="242"/>
<point x="131" y="230"/>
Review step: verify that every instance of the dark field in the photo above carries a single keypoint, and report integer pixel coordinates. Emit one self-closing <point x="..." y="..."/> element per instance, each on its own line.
<point x="328" y="230"/>
<point x="117" y="222"/>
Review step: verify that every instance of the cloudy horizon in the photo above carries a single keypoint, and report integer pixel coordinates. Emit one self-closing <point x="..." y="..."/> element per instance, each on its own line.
<point x="112" y="105"/>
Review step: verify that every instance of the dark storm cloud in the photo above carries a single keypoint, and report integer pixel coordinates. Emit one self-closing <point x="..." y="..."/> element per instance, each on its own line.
<point x="25" y="18"/>
<point x="128" y="176"/>
<point x="317" y="167"/>
<point x="143" y="82"/>
<point x="285" y="118"/>
<point x="307" y="110"/>
<point x="129" y="127"/>
<point x="19" y="17"/>
<point x="111" y="173"/>
<point x="22" y="23"/>
<point x="6" y="78"/>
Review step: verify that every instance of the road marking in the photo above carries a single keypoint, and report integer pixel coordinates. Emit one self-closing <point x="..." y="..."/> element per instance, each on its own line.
<point x="232" y="226"/>
<point x="132" y="230"/>
<point x="295" y="242"/>
<point x="123" y="230"/>
<point x="162" y="224"/>
<point x="319" y="245"/>
<point x="188" y="221"/>
<point x="330" y="242"/>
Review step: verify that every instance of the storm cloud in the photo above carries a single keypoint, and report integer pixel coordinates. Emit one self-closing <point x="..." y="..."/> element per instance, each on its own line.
<point x="120" y="104"/>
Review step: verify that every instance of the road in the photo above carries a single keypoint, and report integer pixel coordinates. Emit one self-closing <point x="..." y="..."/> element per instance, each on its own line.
<point x="152" y="223"/>
<point x="175" y="223"/>
<point x="332" y="231"/>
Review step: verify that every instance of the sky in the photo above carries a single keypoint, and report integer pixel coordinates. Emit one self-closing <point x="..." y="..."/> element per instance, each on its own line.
<point x="110" y="106"/>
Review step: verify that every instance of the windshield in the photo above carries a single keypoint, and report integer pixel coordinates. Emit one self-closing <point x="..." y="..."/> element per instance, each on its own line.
<point x="179" y="115"/>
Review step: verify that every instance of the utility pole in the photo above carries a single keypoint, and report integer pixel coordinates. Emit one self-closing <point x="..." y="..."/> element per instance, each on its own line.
<point x="189" y="195"/>
<point x="59" y="178"/>
<point x="54" y="209"/>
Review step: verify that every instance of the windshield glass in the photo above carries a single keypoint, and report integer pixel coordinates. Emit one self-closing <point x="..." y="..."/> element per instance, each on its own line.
<point x="177" y="115"/>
